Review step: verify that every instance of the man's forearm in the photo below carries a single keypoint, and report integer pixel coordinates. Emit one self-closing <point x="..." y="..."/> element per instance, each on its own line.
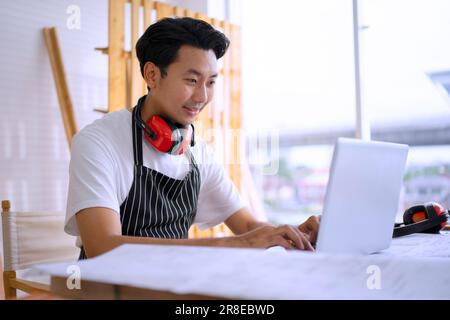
<point x="243" y="221"/>
<point x="117" y="240"/>
<point x="217" y="242"/>
<point x="256" y="224"/>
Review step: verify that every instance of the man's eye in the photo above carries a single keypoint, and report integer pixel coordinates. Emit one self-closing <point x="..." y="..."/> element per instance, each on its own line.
<point x="192" y="81"/>
<point x="211" y="83"/>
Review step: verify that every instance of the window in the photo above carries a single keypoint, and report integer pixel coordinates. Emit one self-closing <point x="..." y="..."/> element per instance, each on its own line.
<point x="405" y="68"/>
<point x="298" y="78"/>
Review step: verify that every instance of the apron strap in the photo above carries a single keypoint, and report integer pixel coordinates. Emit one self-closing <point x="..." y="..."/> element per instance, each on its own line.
<point x="137" y="138"/>
<point x="191" y="159"/>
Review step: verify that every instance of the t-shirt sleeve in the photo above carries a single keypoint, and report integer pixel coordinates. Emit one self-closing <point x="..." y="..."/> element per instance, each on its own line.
<point x="92" y="181"/>
<point x="219" y="197"/>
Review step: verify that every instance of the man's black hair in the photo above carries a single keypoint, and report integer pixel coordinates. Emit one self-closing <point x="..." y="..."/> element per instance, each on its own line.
<point x="162" y="40"/>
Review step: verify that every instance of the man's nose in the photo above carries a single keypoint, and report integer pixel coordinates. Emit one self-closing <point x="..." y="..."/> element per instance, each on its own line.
<point x="200" y="94"/>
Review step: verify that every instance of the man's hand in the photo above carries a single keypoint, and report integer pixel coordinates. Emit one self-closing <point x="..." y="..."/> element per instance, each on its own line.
<point x="311" y="228"/>
<point x="268" y="236"/>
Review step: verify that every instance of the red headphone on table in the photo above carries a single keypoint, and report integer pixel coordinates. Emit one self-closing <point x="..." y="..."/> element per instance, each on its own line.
<point x="428" y="218"/>
<point x="163" y="134"/>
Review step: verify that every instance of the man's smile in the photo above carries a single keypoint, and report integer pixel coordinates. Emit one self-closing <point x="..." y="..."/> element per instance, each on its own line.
<point x="192" y="111"/>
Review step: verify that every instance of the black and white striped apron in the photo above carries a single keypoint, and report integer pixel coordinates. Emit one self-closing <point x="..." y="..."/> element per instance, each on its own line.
<point x="158" y="206"/>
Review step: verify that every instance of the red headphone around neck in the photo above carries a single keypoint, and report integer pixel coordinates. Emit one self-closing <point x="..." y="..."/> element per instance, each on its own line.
<point x="428" y="218"/>
<point x="163" y="134"/>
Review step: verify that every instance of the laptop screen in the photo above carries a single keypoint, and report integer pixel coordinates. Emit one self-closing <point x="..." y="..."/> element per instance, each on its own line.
<point x="362" y="197"/>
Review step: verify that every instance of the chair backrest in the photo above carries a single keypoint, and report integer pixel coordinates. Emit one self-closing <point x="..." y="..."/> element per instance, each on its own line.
<point x="2" y="294"/>
<point x="31" y="238"/>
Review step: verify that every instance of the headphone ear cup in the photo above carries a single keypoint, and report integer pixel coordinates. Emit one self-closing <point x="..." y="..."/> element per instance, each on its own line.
<point x="441" y="212"/>
<point x="414" y="214"/>
<point x="171" y="126"/>
<point x="163" y="132"/>
<point x="433" y="214"/>
<point x="431" y="210"/>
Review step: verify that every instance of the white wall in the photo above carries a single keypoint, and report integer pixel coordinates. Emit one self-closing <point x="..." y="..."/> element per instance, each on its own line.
<point x="34" y="155"/>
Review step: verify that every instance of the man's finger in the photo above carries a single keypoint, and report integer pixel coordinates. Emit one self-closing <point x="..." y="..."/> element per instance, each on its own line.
<point x="290" y="233"/>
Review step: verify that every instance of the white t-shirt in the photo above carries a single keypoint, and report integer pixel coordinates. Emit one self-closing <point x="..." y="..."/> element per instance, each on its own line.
<point x="101" y="172"/>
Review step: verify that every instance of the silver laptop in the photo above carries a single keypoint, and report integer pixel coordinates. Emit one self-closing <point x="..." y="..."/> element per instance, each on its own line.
<point x="362" y="197"/>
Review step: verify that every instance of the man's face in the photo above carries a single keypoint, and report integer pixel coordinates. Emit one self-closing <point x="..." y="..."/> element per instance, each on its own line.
<point x="188" y="86"/>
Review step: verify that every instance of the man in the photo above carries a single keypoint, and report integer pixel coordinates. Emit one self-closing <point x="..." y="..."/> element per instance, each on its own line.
<point x="129" y="183"/>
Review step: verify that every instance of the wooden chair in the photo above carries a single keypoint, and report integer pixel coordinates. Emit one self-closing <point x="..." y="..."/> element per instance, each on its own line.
<point x="2" y="294"/>
<point x="31" y="238"/>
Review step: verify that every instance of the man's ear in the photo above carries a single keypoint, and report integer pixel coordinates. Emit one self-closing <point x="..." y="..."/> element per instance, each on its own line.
<point x="152" y="74"/>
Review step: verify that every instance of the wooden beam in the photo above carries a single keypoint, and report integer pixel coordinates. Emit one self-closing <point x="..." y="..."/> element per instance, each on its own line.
<point x="164" y="10"/>
<point x="148" y="8"/>
<point x="29" y="286"/>
<point x="136" y="78"/>
<point x="117" y="60"/>
<point x="203" y="17"/>
<point x="180" y="12"/>
<point x="10" y="291"/>
<point x="189" y="13"/>
<point x="226" y="121"/>
<point x="219" y="103"/>
<point x="235" y="110"/>
<point x="218" y="24"/>
<point x="149" y="5"/>
<point x="59" y="77"/>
